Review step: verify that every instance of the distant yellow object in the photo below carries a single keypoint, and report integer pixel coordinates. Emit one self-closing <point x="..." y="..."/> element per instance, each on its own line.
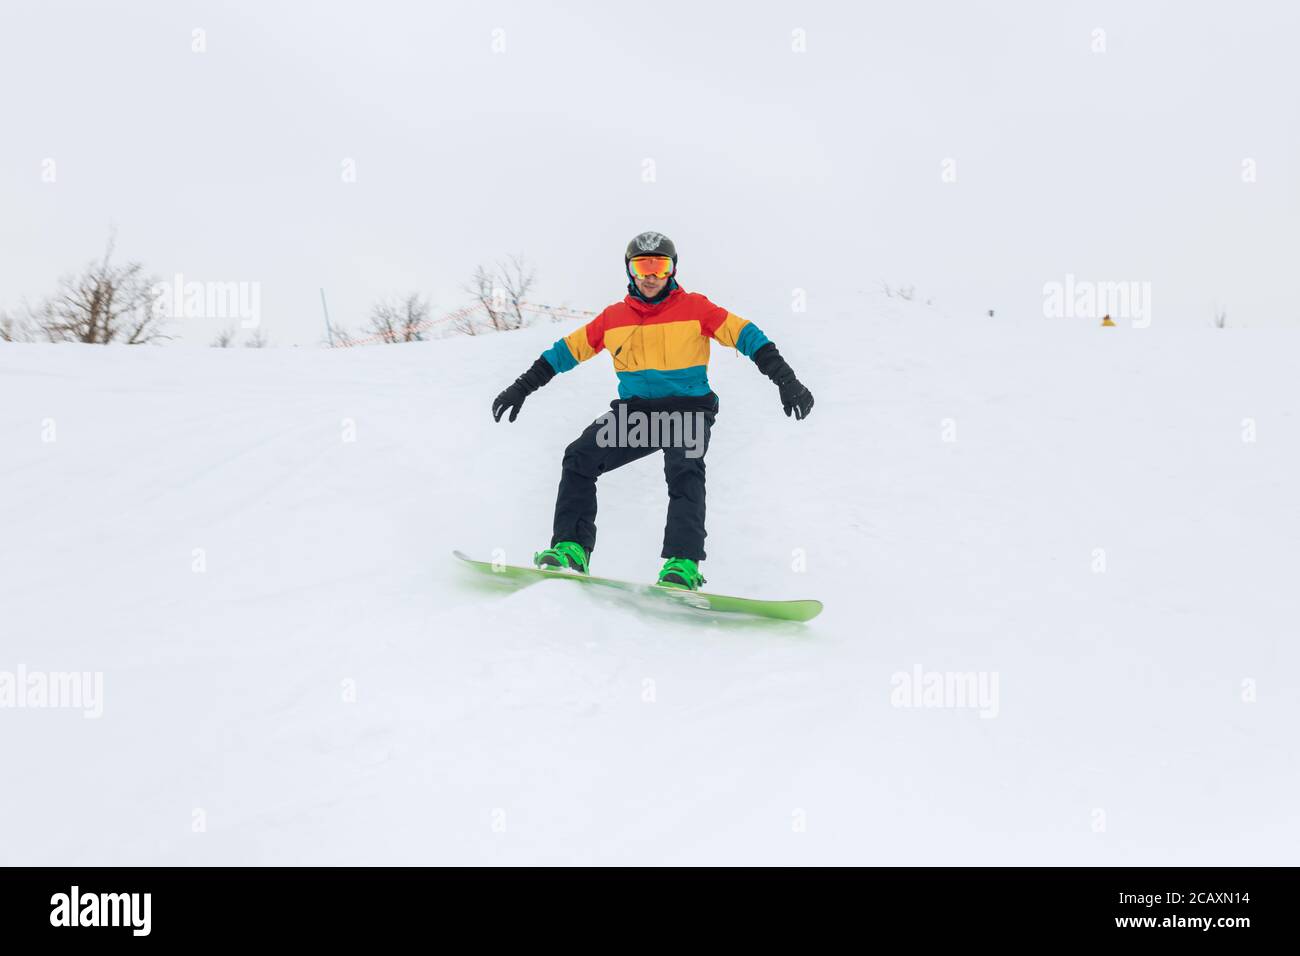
<point x="1105" y="322"/>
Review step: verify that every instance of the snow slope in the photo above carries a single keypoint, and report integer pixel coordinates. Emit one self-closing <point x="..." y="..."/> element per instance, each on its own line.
<point x="331" y="687"/>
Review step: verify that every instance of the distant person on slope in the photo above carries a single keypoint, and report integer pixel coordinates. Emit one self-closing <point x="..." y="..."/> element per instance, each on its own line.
<point x="658" y="337"/>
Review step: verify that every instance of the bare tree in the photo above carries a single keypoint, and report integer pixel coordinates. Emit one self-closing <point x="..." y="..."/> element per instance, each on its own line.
<point x="905" y="292"/>
<point x="405" y="321"/>
<point x="1220" y="317"/>
<point x="415" y="318"/>
<point x="516" y="278"/>
<point x="484" y="288"/>
<point x="257" y="340"/>
<point x="384" y="321"/>
<point x="500" y="294"/>
<point x="106" y="303"/>
<point x="224" y="339"/>
<point x="466" y="321"/>
<point x="13" y="330"/>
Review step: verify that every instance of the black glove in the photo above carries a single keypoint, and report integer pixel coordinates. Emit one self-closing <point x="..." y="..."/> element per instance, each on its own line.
<point x="794" y="396"/>
<point x="513" y="397"/>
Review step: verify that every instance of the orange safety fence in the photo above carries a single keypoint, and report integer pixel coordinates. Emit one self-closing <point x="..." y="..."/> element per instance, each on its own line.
<point x="467" y="312"/>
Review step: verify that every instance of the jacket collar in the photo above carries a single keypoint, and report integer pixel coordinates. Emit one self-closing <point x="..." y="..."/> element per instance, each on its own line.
<point x="643" y="306"/>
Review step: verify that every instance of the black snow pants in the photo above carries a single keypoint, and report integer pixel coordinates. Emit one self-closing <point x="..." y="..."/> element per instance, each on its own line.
<point x="680" y="427"/>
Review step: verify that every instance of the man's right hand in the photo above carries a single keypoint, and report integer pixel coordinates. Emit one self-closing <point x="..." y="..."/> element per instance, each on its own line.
<point x="512" y="398"/>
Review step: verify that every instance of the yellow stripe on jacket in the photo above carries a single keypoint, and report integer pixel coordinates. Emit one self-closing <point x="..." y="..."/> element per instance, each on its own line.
<point x="579" y="347"/>
<point x="728" y="331"/>
<point x="664" y="346"/>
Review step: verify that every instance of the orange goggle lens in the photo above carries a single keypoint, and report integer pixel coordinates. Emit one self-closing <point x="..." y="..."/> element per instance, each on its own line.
<point x="645" y="267"/>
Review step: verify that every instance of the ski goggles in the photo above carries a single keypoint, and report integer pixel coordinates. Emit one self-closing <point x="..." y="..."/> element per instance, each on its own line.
<point x="651" y="267"/>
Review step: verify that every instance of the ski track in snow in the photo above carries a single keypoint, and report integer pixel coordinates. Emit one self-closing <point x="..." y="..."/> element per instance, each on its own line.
<point x="494" y="727"/>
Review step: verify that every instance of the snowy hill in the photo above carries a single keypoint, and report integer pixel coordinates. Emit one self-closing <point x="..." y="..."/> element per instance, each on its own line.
<point x="253" y="548"/>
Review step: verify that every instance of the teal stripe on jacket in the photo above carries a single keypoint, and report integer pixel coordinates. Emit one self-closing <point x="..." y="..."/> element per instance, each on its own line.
<point x="655" y="383"/>
<point x="750" y="340"/>
<point x="560" y="357"/>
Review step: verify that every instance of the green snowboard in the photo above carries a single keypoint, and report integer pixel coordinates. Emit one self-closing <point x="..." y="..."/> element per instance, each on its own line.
<point x="776" y="610"/>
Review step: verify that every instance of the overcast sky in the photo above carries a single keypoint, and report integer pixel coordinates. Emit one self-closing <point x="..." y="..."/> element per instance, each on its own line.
<point x="773" y="169"/>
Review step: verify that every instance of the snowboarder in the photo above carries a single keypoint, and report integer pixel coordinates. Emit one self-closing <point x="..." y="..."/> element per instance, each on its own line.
<point x="658" y="338"/>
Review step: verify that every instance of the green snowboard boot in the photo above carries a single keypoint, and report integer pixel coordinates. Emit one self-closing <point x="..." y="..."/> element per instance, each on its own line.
<point x="568" y="555"/>
<point x="681" y="573"/>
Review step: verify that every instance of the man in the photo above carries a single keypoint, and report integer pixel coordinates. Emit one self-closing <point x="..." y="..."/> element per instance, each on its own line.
<point x="658" y="337"/>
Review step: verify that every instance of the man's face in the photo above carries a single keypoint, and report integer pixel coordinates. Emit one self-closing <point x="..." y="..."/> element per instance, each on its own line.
<point x="650" y="273"/>
<point x="650" y="286"/>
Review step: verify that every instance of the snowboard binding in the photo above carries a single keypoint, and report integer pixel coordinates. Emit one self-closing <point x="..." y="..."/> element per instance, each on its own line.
<point x="682" y="573"/>
<point x="566" y="555"/>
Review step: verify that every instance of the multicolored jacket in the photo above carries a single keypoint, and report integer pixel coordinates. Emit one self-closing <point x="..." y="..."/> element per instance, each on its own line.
<point x="659" y="349"/>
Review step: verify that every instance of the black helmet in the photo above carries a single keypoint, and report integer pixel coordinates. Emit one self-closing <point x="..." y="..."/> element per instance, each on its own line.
<point x="651" y="244"/>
